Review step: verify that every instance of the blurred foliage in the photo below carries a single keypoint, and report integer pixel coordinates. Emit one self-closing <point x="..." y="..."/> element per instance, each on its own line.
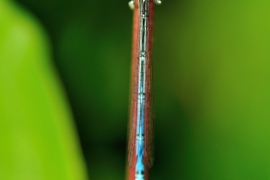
<point x="211" y="84"/>
<point x="36" y="132"/>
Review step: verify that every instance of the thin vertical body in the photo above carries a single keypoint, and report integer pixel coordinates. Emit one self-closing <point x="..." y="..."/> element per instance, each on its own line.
<point x="140" y="134"/>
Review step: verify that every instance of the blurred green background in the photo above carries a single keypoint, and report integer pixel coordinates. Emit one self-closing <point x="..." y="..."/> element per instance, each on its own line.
<point x="211" y="84"/>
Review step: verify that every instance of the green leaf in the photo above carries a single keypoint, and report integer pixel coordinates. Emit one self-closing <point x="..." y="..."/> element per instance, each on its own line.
<point x="37" y="135"/>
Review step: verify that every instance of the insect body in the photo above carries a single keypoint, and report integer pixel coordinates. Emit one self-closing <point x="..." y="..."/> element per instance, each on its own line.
<point x="140" y="123"/>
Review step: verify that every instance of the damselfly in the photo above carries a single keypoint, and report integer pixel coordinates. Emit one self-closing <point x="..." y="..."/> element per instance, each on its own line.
<point x="140" y="128"/>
